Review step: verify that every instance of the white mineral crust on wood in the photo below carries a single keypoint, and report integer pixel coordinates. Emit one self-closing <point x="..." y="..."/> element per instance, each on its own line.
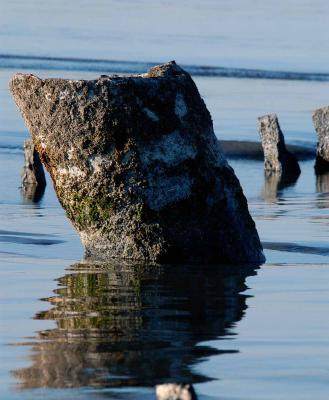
<point x="137" y="167"/>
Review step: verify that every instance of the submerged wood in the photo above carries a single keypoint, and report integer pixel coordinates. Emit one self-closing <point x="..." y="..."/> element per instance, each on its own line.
<point x="137" y="167"/>
<point x="276" y="156"/>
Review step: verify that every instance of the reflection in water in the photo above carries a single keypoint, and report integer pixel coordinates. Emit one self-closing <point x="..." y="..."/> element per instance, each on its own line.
<point x="322" y="183"/>
<point x="121" y="325"/>
<point x="33" y="193"/>
<point x="322" y="187"/>
<point x="275" y="183"/>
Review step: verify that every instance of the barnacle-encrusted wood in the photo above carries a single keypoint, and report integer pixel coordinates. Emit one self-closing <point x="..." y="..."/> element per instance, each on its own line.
<point x="321" y="123"/>
<point x="277" y="158"/>
<point x="137" y="167"/>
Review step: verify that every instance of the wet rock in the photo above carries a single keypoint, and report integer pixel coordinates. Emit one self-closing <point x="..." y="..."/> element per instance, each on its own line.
<point x="137" y="167"/>
<point x="276" y="156"/>
<point x="174" y="391"/>
<point x="321" y="124"/>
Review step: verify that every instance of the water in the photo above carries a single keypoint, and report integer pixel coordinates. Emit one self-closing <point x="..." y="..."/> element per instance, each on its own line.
<point x="72" y="330"/>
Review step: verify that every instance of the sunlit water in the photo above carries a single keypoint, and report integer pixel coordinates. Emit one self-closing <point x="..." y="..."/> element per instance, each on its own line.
<point x="73" y="330"/>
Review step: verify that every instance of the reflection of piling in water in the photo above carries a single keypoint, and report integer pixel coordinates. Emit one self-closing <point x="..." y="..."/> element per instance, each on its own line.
<point x="322" y="187"/>
<point x="120" y="325"/>
<point x="276" y="157"/>
<point x="322" y="183"/>
<point x="33" y="193"/>
<point x="274" y="183"/>
<point x="270" y="189"/>
<point x="33" y="176"/>
<point x="321" y="124"/>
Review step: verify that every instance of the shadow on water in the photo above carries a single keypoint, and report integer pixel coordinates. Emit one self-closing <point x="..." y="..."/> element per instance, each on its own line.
<point x="132" y="325"/>
<point x="275" y="183"/>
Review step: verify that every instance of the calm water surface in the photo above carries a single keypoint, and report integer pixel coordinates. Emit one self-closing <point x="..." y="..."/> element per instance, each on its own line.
<point x="72" y="330"/>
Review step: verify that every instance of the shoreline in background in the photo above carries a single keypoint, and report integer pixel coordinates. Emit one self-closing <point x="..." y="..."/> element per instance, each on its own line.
<point x="250" y="150"/>
<point x="253" y="150"/>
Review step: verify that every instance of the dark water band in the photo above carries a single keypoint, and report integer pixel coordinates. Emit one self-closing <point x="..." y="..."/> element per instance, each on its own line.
<point x="14" y="61"/>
